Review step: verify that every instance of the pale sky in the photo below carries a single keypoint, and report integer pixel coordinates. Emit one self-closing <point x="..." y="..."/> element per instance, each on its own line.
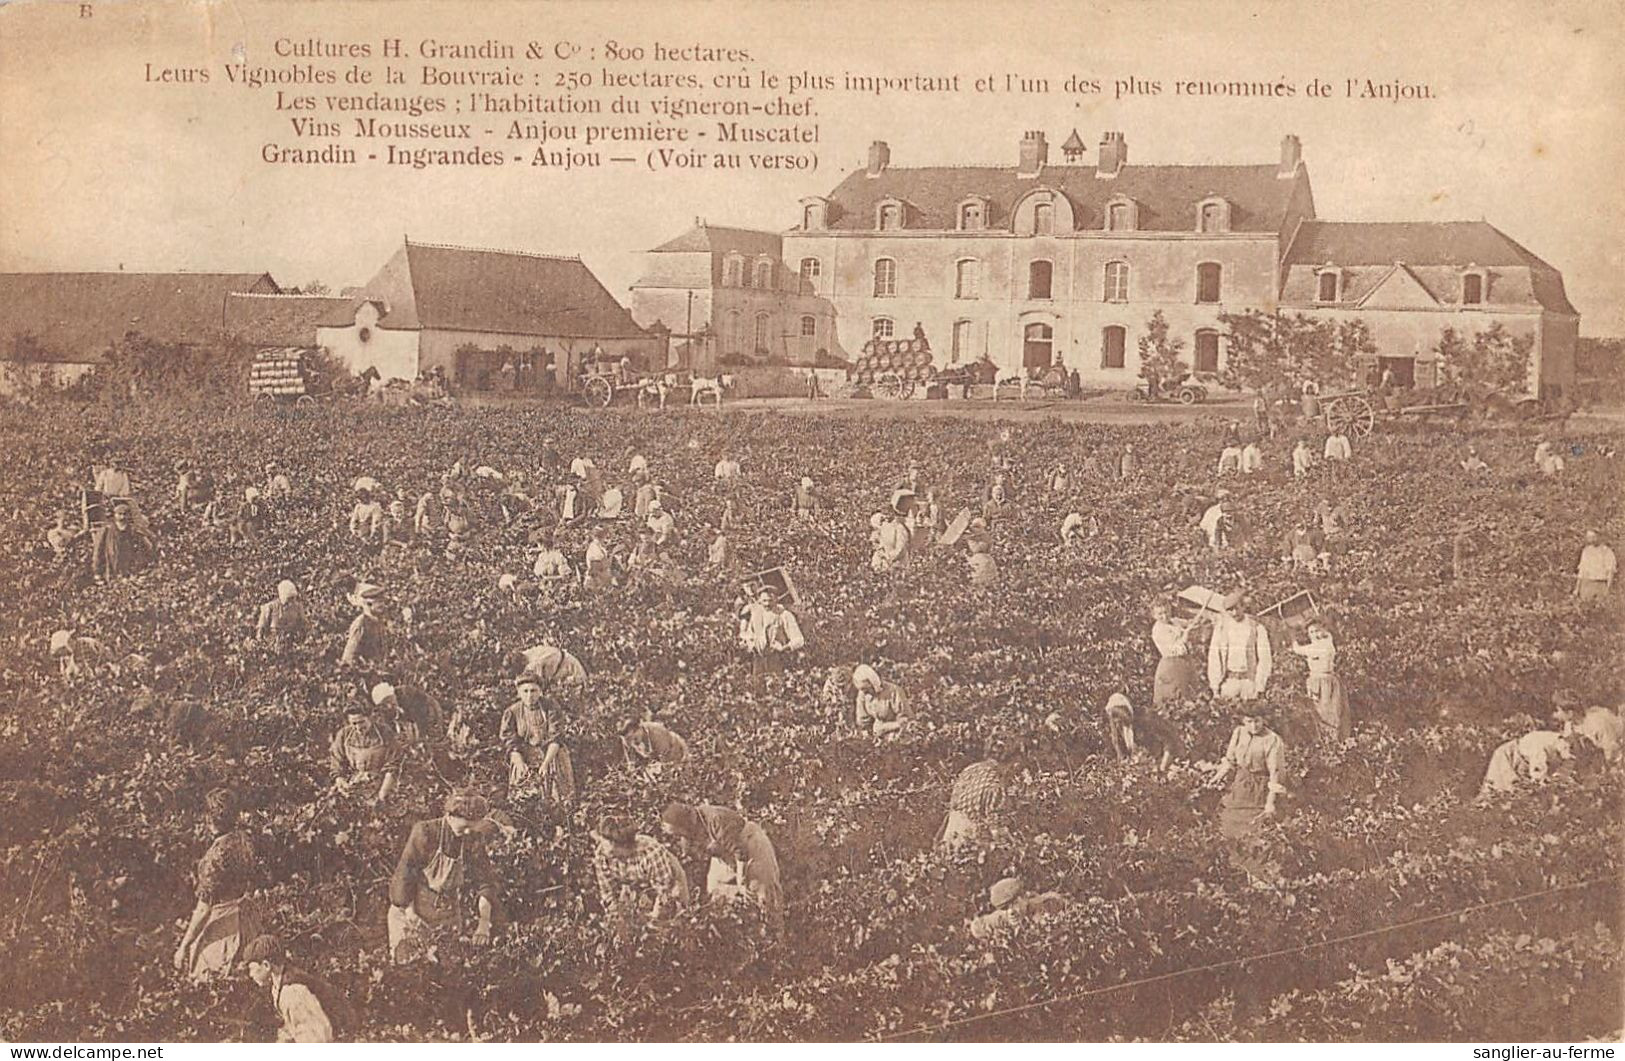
<point x="102" y="168"/>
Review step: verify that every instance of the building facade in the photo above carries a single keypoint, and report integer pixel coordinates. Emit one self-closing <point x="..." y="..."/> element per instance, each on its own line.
<point x="727" y="297"/>
<point x="490" y="320"/>
<point x="1065" y="262"/>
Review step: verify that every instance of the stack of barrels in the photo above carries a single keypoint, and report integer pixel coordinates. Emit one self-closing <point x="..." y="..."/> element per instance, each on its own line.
<point x="907" y="359"/>
<point x="277" y="372"/>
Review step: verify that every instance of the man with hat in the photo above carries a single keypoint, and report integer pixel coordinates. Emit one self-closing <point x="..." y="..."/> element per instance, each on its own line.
<point x="120" y="548"/>
<point x="1238" y="653"/>
<point x="444" y="858"/>
<point x="367" y="517"/>
<point x="1012" y="904"/>
<point x="532" y="733"/>
<point x="283" y="619"/>
<point x="365" y="640"/>
<point x="768" y="631"/>
<point x="312" y="1010"/>
<point x="1595" y="575"/>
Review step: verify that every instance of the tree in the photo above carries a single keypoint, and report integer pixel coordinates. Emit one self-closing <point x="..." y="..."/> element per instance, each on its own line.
<point x="1494" y="359"/>
<point x="1160" y="362"/>
<point x="1254" y="359"/>
<point x="315" y="287"/>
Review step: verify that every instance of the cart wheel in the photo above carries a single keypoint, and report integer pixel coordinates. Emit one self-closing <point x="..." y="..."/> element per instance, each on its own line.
<point x="1362" y="418"/>
<point x="304" y="401"/>
<point x="888" y="387"/>
<point x="1187" y="396"/>
<point x="600" y="392"/>
<point x="907" y="389"/>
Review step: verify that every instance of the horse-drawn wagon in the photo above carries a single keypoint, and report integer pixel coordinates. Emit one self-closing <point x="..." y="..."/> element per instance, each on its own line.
<point x="894" y="368"/>
<point x="288" y="375"/>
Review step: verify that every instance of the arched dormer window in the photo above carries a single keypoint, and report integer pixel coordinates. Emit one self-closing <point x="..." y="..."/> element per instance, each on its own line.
<point x="814" y="214"/>
<point x="1328" y="283"/>
<point x="1042" y="212"/>
<point x="1122" y="214"/>
<point x="1213" y="215"/>
<point x="762" y="274"/>
<point x="733" y="271"/>
<point x="1473" y="286"/>
<point x="973" y="214"/>
<point x="889" y="215"/>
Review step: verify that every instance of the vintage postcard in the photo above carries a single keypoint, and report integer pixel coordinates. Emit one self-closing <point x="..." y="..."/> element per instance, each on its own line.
<point x="787" y="522"/>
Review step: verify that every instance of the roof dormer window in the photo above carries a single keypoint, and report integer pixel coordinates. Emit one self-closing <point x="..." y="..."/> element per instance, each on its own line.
<point x="814" y="214"/>
<point x="973" y="214"/>
<point x="1328" y="284"/>
<point x="1472" y="286"/>
<point x="1213" y="215"/>
<point x="889" y="215"/>
<point x="1122" y="214"/>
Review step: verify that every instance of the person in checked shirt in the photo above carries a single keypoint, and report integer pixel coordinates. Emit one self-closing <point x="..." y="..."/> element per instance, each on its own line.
<point x="639" y="879"/>
<point x="976" y="801"/>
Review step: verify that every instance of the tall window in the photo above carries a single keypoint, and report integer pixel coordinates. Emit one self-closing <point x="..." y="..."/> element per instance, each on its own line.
<point x="883" y="328"/>
<point x="811" y="269"/>
<point x="762" y="337"/>
<point x="1212" y="217"/>
<point x="1113" y="341"/>
<point x="1039" y="276"/>
<point x="970" y="216"/>
<point x="763" y="276"/>
<point x="962" y="340"/>
<point x="1327" y="286"/>
<point x="1116" y="282"/>
<point x="885" y="278"/>
<point x="1120" y="217"/>
<point x="1037" y="346"/>
<point x="967" y="278"/>
<point x="1207" y="350"/>
<point x="1044" y="219"/>
<point x="1207" y="282"/>
<point x="1472" y="289"/>
<point x="891" y="217"/>
<point x="809" y="327"/>
<point x="733" y="272"/>
<point x="734" y="338"/>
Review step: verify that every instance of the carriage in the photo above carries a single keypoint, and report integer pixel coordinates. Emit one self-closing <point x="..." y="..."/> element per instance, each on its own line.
<point x="606" y="380"/>
<point x="894" y="368"/>
<point x="288" y="375"/>
<point x="1051" y="383"/>
<point x="1348" y="412"/>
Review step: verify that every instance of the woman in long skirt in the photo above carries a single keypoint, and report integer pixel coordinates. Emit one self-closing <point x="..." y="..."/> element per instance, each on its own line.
<point x="1176" y="677"/>
<point x="1256" y="756"/>
<point x="226" y="915"/>
<point x="1332" y="717"/>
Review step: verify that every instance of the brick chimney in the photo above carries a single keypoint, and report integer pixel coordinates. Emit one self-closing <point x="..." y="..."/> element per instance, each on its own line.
<point x="1034" y="154"/>
<point x="1113" y="155"/>
<point x="879" y="158"/>
<point x="1291" y="156"/>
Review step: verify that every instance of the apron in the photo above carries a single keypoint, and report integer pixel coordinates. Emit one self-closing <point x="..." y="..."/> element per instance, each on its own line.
<point x="1175" y="680"/>
<point x="1331" y="707"/>
<point x="557" y="784"/>
<point x="437" y="905"/>
<point x="229" y="925"/>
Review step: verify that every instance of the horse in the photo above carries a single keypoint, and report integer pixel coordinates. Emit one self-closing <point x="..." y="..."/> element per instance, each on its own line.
<point x="656" y="388"/>
<point x="701" y="386"/>
<point x="1009" y="376"/>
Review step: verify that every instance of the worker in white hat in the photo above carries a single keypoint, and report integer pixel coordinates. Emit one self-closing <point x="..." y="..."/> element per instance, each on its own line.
<point x="416" y="716"/>
<point x="879" y="706"/>
<point x="661" y="524"/>
<point x="283" y="619"/>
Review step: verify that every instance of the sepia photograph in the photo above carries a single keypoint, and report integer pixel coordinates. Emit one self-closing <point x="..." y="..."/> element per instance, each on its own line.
<point x="770" y="522"/>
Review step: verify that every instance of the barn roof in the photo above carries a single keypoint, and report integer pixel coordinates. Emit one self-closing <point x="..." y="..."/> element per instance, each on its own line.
<point x="716" y="239"/>
<point x="284" y="320"/>
<point x="75" y="317"/>
<point x="439" y="286"/>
